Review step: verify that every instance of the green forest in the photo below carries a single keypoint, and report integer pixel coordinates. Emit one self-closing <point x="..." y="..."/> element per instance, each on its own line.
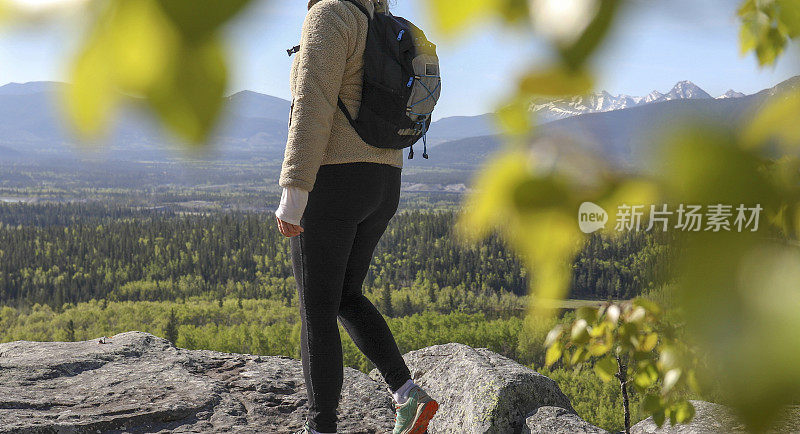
<point x="223" y="281"/>
<point x="71" y="253"/>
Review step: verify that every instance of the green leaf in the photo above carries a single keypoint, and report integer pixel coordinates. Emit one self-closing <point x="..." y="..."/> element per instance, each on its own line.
<point x="671" y="378"/>
<point x="490" y="204"/>
<point x="747" y="7"/>
<point x="189" y="100"/>
<point x="553" y="354"/>
<point x="649" y="342"/>
<point x="659" y="418"/>
<point x="771" y="47"/>
<point x="580" y="355"/>
<point x="140" y="43"/>
<point x="514" y="10"/>
<point x="599" y="329"/>
<point x="668" y="358"/>
<point x="629" y="334"/>
<point x="650" y="306"/>
<point x="652" y="403"/>
<point x="748" y="40"/>
<point x="555" y="82"/>
<point x="198" y="20"/>
<point x="612" y="314"/>
<point x="766" y="27"/>
<point x="575" y="55"/>
<point x="637" y="315"/>
<point x="673" y="420"/>
<point x="553" y="335"/>
<point x="580" y="333"/>
<point x="536" y="193"/>
<point x="777" y="119"/>
<point x="587" y="313"/>
<point x="134" y="49"/>
<point x="684" y="411"/>
<point x="645" y="376"/>
<point x="514" y="118"/>
<point x="91" y="98"/>
<point x="639" y="356"/>
<point x="606" y="367"/>
<point x="454" y="16"/>
<point x="789" y="17"/>
<point x="599" y="348"/>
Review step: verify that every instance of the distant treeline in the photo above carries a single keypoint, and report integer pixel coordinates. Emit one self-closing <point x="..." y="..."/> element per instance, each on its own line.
<point x="64" y="214"/>
<point x="189" y="185"/>
<point x="70" y="253"/>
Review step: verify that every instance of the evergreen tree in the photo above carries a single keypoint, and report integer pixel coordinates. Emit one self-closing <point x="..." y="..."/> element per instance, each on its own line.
<point x="407" y="308"/>
<point x="386" y="300"/>
<point x="171" y="330"/>
<point x="71" y="331"/>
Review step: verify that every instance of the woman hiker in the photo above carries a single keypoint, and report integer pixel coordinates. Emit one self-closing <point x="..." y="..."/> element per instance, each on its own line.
<point x="339" y="194"/>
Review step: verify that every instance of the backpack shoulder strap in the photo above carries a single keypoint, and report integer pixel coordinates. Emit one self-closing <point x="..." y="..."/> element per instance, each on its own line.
<point x="347" y="114"/>
<point x="360" y="7"/>
<point x="339" y="102"/>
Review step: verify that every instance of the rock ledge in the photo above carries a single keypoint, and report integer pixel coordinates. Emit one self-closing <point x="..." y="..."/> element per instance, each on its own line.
<point x="137" y="382"/>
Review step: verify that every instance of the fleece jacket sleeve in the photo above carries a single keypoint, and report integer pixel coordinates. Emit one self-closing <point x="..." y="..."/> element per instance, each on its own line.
<point x="328" y="37"/>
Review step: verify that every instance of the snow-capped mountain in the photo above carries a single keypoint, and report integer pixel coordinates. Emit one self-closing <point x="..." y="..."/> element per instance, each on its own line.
<point x="653" y="97"/>
<point x="549" y="110"/>
<point x="686" y="90"/>
<point x="731" y="94"/>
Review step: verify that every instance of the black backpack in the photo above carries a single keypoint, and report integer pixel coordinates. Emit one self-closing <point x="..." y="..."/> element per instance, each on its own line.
<point x="402" y="84"/>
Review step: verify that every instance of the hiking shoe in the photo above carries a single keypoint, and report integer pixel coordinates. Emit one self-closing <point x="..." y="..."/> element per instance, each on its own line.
<point x="304" y="430"/>
<point x="413" y="416"/>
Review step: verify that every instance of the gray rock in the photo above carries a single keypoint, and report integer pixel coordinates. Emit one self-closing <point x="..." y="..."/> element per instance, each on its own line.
<point x="141" y="383"/>
<point x="138" y="382"/>
<point x="557" y="420"/>
<point x="479" y="391"/>
<point x="716" y="418"/>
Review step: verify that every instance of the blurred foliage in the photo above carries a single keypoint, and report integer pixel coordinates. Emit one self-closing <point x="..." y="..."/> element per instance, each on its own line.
<point x="631" y="341"/>
<point x="722" y="279"/>
<point x="767" y="26"/>
<point x="166" y="54"/>
<point x="776" y="121"/>
<point x="596" y="401"/>
<point x="533" y="199"/>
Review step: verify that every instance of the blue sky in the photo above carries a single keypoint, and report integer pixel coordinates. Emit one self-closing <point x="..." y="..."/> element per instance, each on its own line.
<point x="655" y="44"/>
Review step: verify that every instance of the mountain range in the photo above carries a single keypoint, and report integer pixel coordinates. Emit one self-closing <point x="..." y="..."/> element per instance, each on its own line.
<point x="625" y="136"/>
<point x="549" y="110"/>
<point x="254" y="125"/>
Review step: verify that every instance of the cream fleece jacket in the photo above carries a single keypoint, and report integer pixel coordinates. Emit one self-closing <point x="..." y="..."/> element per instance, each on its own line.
<point x="329" y="65"/>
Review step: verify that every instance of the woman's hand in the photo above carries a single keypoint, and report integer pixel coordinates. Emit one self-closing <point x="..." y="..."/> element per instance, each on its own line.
<point x="288" y="229"/>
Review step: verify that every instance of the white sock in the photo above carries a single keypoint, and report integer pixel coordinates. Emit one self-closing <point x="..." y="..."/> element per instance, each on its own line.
<point x="402" y="393"/>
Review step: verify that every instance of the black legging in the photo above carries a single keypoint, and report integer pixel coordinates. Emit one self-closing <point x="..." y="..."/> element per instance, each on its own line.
<point x="347" y="212"/>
